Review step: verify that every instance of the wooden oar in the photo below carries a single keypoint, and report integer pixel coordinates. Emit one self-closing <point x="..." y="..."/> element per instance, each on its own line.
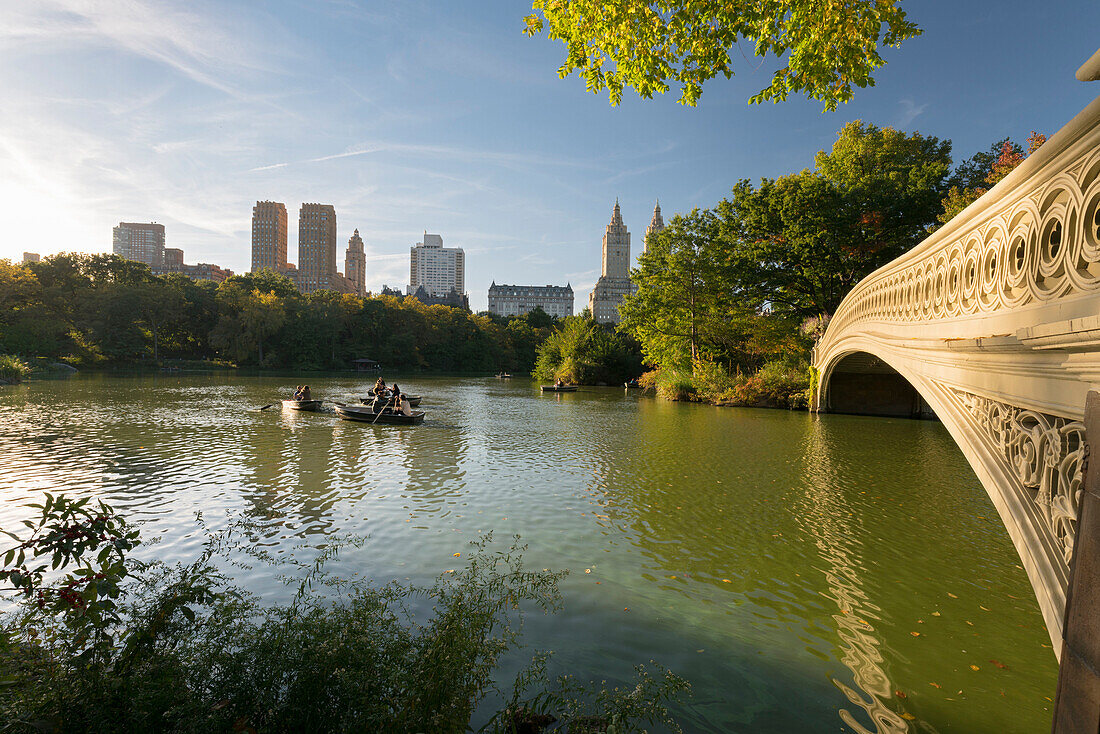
<point x="265" y="407"/>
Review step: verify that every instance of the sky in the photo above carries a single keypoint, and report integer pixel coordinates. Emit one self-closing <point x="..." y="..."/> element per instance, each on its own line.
<point x="443" y="117"/>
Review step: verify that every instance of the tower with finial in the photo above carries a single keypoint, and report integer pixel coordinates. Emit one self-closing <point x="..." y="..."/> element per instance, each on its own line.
<point x="355" y="265"/>
<point x="614" y="281"/>
<point x="655" y="225"/>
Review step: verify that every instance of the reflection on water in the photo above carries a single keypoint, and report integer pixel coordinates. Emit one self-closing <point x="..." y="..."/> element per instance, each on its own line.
<point x="825" y="515"/>
<point x="806" y="573"/>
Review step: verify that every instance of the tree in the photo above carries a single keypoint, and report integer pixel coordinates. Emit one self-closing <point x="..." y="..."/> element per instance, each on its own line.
<point x="801" y="242"/>
<point x="645" y="44"/>
<point x="581" y="351"/>
<point x="976" y="175"/>
<point x="251" y="318"/>
<point x="687" y="293"/>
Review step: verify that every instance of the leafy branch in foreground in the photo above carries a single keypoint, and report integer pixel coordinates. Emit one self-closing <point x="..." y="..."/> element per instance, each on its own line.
<point x="99" y="641"/>
<point x="828" y="46"/>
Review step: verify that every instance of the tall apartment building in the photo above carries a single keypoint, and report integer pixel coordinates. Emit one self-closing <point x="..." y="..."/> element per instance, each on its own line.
<point x="355" y="265"/>
<point x="614" y="281"/>
<point x="438" y="269"/>
<point x="140" y="241"/>
<point x="317" y="248"/>
<point x="655" y="225"/>
<point x="269" y="232"/>
<point x="516" y="300"/>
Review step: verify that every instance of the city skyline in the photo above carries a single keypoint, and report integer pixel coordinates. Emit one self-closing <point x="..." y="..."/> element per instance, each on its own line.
<point x="451" y="121"/>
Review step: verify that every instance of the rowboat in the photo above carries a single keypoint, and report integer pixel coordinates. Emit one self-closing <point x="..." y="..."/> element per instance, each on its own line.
<point x="367" y="415"/>
<point x="414" y="400"/>
<point x="559" y="388"/>
<point x="302" y="404"/>
<point x="504" y="376"/>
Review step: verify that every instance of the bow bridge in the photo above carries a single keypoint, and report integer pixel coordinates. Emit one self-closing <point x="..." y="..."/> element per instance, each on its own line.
<point x="992" y="325"/>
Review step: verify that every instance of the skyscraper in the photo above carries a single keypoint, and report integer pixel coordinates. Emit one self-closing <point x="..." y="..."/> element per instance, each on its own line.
<point x="614" y="282"/>
<point x="438" y="269"/>
<point x="655" y="225"/>
<point x="269" y="236"/>
<point x="140" y="241"/>
<point x="316" y="247"/>
<point x="355" y="265"/>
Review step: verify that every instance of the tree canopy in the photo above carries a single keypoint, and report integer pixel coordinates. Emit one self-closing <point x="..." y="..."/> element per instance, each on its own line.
<point x="801" y="242"/>
<point x="103" y="309"/>
<point x="827" y="46"/>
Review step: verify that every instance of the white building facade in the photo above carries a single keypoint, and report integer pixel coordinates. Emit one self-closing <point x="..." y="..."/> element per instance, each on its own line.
<point x="516" y="300"/>
<point x="438" y="269"/>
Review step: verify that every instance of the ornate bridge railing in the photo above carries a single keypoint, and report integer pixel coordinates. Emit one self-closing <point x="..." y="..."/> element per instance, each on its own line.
<point x="994" y="320"/>
<point x="1034" y="238"/>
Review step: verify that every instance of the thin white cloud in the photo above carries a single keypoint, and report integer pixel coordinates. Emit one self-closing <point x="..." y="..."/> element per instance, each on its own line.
<point x="910" y="110"/>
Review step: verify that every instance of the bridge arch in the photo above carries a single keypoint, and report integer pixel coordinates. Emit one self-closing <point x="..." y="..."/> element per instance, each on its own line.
<point x="1028" y="462"/>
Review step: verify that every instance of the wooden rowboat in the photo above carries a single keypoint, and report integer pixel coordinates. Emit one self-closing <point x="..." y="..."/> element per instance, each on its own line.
<point x="559" y="388"/>
<point x="367" y="415"/>
<point x="414" y="400"/>
<point x="302" y="404"/>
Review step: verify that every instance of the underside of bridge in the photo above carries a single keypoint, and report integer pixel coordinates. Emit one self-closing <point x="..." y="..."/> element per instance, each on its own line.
<point x="863" y="384"/>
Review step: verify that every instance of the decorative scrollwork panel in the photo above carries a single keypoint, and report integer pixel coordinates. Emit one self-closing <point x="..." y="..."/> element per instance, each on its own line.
<point x="1044" y="452"/>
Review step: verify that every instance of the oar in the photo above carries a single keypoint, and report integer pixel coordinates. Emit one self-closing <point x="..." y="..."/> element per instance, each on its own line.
<point x="266" y="406"/>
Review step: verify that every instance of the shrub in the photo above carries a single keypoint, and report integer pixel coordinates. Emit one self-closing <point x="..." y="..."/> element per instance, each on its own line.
<point x="106" y="643"/>
<point x="12" y="369"/>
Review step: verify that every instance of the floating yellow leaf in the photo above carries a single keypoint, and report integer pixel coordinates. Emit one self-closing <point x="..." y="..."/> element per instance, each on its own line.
<point x="935" y="614"/>
<point x="952" y="595"/>
<point x="981" y="607"/>
<point x="908" y="716"/>
<point x="588" y="570"/>
<point x="974" y="667"/>
<point x="935" y="685"/>
<point x="915" y="634"/>
<point x="726" y="581"/>
<point x="456" y="555"/>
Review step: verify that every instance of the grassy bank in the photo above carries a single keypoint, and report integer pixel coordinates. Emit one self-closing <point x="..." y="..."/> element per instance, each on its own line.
<point x="777" y="384"/>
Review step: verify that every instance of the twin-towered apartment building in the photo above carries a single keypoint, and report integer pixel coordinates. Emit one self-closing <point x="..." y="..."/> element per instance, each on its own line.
<point x="316" y="269"/>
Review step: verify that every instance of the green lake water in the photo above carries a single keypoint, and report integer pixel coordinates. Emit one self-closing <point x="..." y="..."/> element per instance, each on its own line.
<point x="805" y="573"/>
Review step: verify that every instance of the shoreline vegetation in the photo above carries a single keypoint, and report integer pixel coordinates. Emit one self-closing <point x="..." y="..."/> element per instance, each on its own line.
<point x="103" y="642"/>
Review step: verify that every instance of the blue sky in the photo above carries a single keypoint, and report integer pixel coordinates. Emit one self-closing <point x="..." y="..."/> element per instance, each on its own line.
<point x="443" y="116"/>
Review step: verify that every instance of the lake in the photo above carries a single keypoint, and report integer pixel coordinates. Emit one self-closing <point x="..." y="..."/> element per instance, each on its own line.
<point x="805" y="573"/>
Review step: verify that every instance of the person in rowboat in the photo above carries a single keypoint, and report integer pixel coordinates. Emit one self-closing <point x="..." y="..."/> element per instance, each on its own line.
<point x="379" y="386"/>
<point x="406" y="408"/>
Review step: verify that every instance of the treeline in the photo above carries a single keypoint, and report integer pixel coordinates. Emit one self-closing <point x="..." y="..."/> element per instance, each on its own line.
<point x="103" y="310"/>
<point x="731" y="298"/>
